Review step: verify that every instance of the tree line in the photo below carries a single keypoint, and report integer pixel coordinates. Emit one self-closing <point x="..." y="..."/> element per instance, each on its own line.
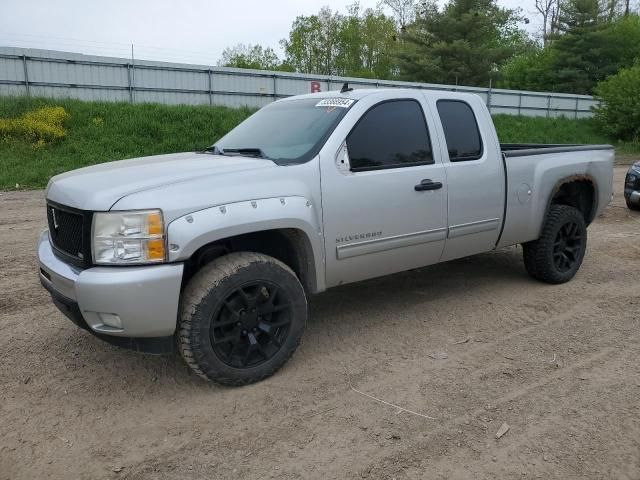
<point x="583" y="46"/>
<point x="464" y="42"/>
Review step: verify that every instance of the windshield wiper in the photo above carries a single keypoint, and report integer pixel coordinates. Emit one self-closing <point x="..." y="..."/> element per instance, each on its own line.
<point x="214" y="149"/>
<point x="245" y="152"/>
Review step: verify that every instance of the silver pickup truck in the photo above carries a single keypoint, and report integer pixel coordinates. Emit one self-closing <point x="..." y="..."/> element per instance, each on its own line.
<point x="214" y="253"/>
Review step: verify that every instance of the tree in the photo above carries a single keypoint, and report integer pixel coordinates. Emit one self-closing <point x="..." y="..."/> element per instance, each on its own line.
<point x="549" y="9"/>
<point x="404" y="11"/>
<point x="592" y="47"/>
<point x="591" y="40"/>
<point x="528" y="70"/>
<point x="581" y="15"/>
<point x="464" y="43"/>
<point x="329" y="43"/>
<point x="619" y="111"/>
<point x="371" y="37"/>
<point x="250" y="56"/>
<point x="312" y="43"/>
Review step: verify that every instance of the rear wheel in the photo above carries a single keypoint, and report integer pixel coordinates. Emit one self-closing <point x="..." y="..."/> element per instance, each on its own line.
<point x="242" y="317"/>
<point x="557" y="255"/>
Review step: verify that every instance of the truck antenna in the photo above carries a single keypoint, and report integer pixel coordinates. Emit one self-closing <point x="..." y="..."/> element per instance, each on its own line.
<point x="345" y="88"/>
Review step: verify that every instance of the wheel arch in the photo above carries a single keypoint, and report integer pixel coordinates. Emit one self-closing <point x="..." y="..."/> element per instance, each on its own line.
<point x="289" y="245"/>
<point x="578" y="191"/>
<point x="285" y="228"/>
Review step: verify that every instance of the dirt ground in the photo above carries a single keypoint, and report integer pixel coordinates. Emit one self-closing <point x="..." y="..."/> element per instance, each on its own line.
<point x="558" y="364"/>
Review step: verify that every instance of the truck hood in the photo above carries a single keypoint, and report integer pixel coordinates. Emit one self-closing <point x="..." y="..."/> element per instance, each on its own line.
<point x="99" y="187"/>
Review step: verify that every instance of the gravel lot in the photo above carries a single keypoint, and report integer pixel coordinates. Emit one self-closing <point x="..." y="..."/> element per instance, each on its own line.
<point x="559" y="364"/>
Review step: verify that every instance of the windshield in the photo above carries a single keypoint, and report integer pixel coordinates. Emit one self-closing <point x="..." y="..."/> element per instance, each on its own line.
<point x="286" y="132"/>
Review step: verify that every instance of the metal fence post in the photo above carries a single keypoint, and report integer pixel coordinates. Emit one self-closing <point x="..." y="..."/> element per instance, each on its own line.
<point x="519" y="104"/>
<point x="275" y="87"/>
<point x="129" y="81"/>
<point x="26" y="74"/>
<point x="489" y="99"/>
<point x="548" y="105"/>
<point x="577" y="105"/>
<point x="133" y="76"/>
<point x="209" y="74"/>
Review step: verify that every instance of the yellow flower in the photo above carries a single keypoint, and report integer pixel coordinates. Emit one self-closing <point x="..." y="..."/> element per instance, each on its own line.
<point x="40" y="126"/>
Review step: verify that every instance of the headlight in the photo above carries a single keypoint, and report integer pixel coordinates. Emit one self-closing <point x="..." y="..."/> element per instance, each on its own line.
<point x="128" y="237"/>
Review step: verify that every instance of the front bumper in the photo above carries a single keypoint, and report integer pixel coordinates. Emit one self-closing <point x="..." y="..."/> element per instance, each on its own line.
<point x="144" y="299"/>
<point x="632" y="196"/>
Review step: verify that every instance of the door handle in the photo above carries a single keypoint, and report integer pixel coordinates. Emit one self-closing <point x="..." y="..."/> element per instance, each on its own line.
<point x="428" y="184"/>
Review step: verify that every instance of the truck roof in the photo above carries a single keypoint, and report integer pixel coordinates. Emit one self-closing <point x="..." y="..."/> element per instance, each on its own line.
<point x="357" y="94"/>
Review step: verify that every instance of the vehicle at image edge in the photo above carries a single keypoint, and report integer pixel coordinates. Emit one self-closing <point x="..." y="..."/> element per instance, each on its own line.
<point x="632" y="187"/>
<point x="214" y="253"/>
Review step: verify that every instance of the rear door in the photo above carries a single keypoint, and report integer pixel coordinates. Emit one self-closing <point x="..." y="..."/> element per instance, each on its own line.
<point x="475" y="174"/>
<point x="384" y="192"/>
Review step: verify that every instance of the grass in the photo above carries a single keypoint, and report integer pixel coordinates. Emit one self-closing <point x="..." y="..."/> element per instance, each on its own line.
<point x="512" y="129"/>
<point x="98" y="132"/>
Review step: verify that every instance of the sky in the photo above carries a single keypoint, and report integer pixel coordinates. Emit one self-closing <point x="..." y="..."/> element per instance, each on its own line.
<point x="188" y="31"/>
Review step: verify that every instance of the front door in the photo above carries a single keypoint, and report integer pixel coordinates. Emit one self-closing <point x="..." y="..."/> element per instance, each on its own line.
<point x="384" y="192"/>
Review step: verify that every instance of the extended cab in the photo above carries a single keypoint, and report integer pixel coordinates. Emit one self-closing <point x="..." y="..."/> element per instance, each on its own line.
<point x="215" y="252"/>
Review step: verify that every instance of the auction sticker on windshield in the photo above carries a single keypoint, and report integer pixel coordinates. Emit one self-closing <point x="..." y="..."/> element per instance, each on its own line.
<point x="335" y="102"/>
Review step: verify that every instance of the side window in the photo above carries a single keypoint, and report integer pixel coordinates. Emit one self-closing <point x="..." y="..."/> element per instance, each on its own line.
<point x="391" y="134"/>
<point x="460" y="130"/>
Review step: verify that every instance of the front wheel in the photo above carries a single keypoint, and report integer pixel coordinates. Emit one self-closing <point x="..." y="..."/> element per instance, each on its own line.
<point x="557" y="255"/>
<point x="242" y="317"/>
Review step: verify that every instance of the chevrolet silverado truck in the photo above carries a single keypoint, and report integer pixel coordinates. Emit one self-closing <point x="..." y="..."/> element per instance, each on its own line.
<point x="214" y="253"/>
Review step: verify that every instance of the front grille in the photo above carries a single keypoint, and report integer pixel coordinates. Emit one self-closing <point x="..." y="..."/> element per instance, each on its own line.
<point x="69" y="231"/>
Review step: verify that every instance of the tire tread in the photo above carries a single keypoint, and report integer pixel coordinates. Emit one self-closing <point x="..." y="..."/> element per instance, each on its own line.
<point x="207" y="278"/>
<point x="536" y="257"/>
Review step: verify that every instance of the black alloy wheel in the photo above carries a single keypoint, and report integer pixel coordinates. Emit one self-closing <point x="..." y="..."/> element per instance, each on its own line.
<point x="241" y="318"/>
<point x="251" y="325"/>
<point x="556" y="256"/>
<point x="567" y="246"/>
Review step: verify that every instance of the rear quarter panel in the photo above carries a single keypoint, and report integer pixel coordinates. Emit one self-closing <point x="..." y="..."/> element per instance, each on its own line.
<point x="533" y="179"/>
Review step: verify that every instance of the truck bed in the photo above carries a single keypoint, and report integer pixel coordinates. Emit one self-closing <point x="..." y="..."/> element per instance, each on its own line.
<point x="533" y="178"/>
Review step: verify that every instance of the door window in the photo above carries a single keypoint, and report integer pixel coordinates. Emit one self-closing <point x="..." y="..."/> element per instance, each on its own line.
<point x="460" y="130"/>
<point x="390" y="135"/>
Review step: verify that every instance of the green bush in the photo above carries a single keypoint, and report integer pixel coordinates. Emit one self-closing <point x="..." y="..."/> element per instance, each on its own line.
<point x="619" y="111"/>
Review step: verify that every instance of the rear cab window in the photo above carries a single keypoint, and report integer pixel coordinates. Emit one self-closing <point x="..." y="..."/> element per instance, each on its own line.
<point x="391" y="134"/>
<point x="461" y="131"/>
